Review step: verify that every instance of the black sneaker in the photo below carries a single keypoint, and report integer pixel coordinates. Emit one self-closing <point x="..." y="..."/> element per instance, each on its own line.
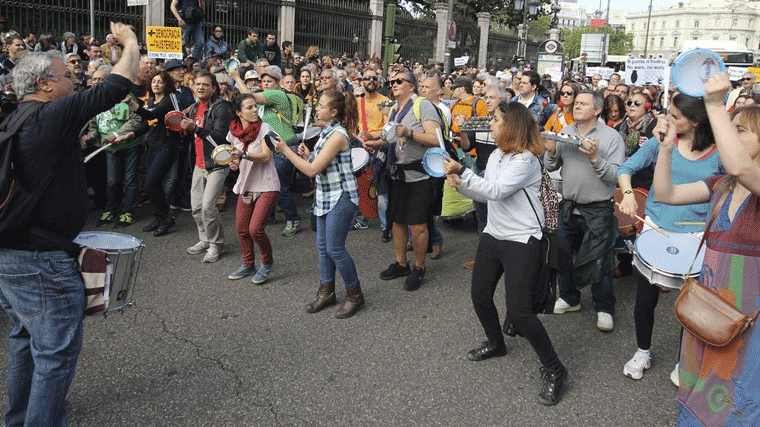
<point x="386" y="237"/>
<point x="125" y="220"/>
<point x="414" y="280"/>
<point x="553" y="386"/>
<point x="105" y="219"/>
<point x="395" y="270"/>
<point x="153" y="225"/>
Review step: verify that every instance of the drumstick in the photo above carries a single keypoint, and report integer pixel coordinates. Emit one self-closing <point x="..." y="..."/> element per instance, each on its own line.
<point x="689" y="223"/>
<point x="91" y="155"/>
<point x="649" y="223"/>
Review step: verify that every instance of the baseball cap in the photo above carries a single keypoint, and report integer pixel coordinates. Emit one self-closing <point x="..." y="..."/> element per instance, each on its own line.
<point x="462" y="81"/>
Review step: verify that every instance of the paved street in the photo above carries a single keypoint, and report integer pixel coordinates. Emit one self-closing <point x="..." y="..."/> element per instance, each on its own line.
<point x="198" y="349"/>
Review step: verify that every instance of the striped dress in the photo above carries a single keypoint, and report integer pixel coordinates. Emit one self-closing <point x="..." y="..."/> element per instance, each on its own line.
<point x="719" y="386"/>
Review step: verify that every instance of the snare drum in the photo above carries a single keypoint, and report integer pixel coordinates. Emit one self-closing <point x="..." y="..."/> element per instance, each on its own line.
<point x="123" y="254"/>
<point x="173" y="120"/>
<point x="627" y="225"/>
<point x="222" y="154"/>
<point x="665" y="260"/>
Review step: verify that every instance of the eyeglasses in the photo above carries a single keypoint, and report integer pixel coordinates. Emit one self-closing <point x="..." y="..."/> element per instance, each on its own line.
<point x="563" y="93"/>
<point x="74" y="61"/>
<point x="373" y="78"/>
<point x="399" y="81"/>
<point x="636" y="103"/>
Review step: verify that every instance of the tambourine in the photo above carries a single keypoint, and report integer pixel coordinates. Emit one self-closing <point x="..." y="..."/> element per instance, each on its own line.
<point x="433" y="161"/>
<point x="359" y="159"/>
<point x="562" y="137"/>
<point x="388" y="133"/>
<point x="231" y="64"/>
<point x="222" y="155"/>
<point x="173" y="120"/>
<point x="693" y="68"/>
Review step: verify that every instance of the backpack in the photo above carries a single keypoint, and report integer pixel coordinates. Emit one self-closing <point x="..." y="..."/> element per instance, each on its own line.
<point x="16" y="202"/>
<point x="296" y="110"/>
<point x="445" y="131"/>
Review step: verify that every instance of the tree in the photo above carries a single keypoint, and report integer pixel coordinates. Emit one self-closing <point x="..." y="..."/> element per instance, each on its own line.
<point x="502" y="11"/>
<point x="620" y="43"/>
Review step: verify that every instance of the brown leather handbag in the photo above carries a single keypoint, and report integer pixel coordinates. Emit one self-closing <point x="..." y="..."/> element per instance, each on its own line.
<point x="703" y="312"/>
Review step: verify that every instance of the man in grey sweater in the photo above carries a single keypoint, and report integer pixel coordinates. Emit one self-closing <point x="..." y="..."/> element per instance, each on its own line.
<point x="586" y="213"/>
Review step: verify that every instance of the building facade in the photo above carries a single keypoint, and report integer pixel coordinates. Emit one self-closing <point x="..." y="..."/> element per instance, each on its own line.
<point x="699" y="20"/>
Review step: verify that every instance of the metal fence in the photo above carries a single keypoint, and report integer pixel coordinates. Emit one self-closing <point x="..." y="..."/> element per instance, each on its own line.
<point x="416" y="36"/>
<point x="336" y="26"/>
<point x="56" y="17"/>
<point x="235" y="17"/>
<point x="501" y="48"/>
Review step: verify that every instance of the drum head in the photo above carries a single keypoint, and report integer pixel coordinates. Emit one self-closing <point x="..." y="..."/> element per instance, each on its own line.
<point x="222" y="155"/>
<point x="173" y="119"/>
<point x="388" y="133"/>
<point x="232" y="64"/>
<point x="433" y="162"/>
<point x="359" y="159"/>
<point x="106" y="240"/>
<point x="670" y="255"/>
<point x="692" y="69"/>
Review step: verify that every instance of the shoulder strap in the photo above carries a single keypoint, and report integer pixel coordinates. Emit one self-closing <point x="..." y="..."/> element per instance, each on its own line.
<point x="365" y="127"/>
<point x="531" y="206"/>
<point x="475" y="107"/>
<point x="715" y="212"/>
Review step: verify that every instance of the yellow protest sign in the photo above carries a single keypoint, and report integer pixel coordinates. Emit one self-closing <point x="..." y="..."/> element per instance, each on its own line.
<point x="755" y="71"/>
<point x="164" y="42"/>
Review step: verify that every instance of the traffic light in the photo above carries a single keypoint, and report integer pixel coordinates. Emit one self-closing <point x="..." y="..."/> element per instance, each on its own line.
<point x="396" y="51"/>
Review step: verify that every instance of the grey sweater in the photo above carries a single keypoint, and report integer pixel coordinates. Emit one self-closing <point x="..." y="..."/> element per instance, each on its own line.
<point x="583" y="182"/>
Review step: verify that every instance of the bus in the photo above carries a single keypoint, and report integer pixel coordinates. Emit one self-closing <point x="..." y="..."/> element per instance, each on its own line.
<point x="734" y="54"/>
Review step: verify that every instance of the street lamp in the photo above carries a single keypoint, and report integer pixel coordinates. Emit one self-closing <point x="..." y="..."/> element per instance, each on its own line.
<point x="527" y="7"/>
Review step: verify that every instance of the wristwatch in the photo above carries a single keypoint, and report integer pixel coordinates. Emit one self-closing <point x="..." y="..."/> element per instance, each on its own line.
<point x="628" y="192"/>
<point x="244" y="156"/>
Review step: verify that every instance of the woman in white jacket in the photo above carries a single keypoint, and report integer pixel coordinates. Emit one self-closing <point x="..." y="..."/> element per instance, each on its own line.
<point x="511" y="240"/>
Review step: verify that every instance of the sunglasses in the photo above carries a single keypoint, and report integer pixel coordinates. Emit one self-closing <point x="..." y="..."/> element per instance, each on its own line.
<point x="636" y="103"/>
<point x="399" y="81"/>
<point x="563" y="93"/>
<point x="746" y="79"/>
<point x="373" y="78"/>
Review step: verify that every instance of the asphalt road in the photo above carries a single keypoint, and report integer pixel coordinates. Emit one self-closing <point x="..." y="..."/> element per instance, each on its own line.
<point x="197" y="349"/>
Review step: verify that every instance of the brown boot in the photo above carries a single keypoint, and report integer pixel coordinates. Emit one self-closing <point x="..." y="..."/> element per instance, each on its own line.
<point x="354" y="300"/>
<point x="325" y="297"/>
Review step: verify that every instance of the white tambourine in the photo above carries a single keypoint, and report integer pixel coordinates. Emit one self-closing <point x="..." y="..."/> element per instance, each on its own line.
<point x="388" y="134"/>
<point x="693" y="68"/>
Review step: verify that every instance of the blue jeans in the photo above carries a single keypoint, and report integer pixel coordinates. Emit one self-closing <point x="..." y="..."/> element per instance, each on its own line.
<point x="382" y="201"/>
<point x="332" y="230"/>
<point x="43" y="295"/>
<point x="121" y="174"/>
<point x="158" y="180"/>
<point x="602" y="292"/>
<point x="285" y="171"/>
<point x="196" y="32"/>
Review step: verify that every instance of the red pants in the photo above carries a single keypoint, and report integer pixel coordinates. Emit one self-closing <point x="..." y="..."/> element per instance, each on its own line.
<point x="250" y="222"/>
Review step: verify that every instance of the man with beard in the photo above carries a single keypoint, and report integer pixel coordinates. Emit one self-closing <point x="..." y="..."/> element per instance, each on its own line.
<point x="74" y="64"/>
<point x="371" y="122"/>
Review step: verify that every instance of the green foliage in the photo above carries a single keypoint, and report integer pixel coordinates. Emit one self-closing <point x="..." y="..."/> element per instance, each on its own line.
<point x="502" y="11"/>
<point x="620" y="43"/>
<point x="540" y="27"/>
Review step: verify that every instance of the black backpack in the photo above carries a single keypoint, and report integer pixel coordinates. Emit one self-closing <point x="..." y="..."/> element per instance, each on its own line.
<point x="16" y="202"/>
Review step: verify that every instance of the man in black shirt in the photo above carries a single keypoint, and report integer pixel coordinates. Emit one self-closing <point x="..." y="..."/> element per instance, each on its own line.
<point x="46" y="337"/>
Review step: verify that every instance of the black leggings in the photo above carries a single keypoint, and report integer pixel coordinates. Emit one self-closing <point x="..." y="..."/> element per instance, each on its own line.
<point x="647" y="296"/>
<point x="523" y="262"/>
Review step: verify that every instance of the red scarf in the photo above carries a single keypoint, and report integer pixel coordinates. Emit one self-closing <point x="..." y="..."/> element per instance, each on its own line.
<point x="246" y="135"/>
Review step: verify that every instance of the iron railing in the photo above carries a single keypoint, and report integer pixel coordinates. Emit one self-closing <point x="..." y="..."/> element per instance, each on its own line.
<point x="335" y="26"/>
<point x="416" y="36"/>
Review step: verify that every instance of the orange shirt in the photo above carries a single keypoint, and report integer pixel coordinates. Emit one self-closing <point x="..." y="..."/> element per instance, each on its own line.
<point x="464" y="108"/>
<point x="558" y="120"/>
<point x="368" y="109"/>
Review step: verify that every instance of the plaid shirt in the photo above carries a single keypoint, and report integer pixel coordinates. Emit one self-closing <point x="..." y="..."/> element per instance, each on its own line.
<point x="337" y="177"/>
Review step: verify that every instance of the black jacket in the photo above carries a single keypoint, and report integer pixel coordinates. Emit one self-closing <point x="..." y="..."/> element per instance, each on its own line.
<point x="216" y="124"/>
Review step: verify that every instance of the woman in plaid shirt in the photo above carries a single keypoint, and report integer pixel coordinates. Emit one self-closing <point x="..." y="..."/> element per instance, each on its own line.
<point x="336" y="198"/>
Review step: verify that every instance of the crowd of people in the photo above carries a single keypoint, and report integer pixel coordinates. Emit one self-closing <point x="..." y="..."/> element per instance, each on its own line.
<point x="281" y="114"/>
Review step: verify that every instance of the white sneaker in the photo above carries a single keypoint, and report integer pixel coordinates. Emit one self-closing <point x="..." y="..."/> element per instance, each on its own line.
<point x="675" y="376"/>
<point x="604" y="321"/>
<point x="635" y="367"/>
<point x="197" y="248"/>
<point x="212" y="254"/>
<point x="561" y="306"/>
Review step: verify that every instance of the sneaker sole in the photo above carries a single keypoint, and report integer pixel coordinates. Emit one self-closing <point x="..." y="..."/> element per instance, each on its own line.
<point x="674" y="378"/>
<point x="632" y="375"/>
<point x="567" y="310"/>
<point x="259" y="281"/>
<point x="605" y="328"/>
<point x="395" y="277"/>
